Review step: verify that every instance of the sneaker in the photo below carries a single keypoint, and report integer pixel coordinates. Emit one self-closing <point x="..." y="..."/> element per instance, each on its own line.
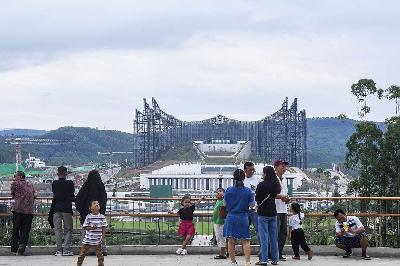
<point x="348" y="254"/>
<point x="274" y="263"/>
<point x="310" y="254"/>
<point x="261" y="263"/>
<point x="58" y="253"/>
<point x="68" y="253"/>
<point x="281" y="258"/>
<point x="20" y="251"/>
<point x="184" y="252"/>
<point x="296" y="257"/>
<point x="179" y="251"/>
<point x="220" y="257"/>
<point x="366" y="257"/>
<point x="234" y="263"/>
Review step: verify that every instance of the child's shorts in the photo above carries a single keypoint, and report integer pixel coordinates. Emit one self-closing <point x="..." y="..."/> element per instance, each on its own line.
<point x="186" y="228"/>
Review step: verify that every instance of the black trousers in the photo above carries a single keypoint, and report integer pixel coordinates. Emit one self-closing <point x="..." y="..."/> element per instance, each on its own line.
<point x="21" y="227"/>
<point x="282" y="231"/>
<point x="298" y="239"/>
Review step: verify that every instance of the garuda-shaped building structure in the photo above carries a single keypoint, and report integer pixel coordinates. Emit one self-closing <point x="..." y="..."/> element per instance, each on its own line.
<point x="281" y="135"/>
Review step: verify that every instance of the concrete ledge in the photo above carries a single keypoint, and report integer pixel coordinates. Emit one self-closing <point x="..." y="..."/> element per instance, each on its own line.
<point x="201" y="250"/>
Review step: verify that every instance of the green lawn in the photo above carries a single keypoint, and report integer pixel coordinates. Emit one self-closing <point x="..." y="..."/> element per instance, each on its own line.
<point x="202" y="228"/>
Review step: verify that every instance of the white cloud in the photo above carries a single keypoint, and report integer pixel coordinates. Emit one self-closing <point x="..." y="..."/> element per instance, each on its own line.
<point x="242" y="70"/>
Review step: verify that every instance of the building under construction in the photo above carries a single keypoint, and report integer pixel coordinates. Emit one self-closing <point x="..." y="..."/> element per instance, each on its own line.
<point x="281" y="135"/>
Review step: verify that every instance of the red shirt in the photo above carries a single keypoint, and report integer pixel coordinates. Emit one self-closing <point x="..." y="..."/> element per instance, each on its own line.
<point x="24" y="196"/>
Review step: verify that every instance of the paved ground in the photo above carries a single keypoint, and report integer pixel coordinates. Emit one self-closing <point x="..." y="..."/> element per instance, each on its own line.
<point x="195" y="260"/>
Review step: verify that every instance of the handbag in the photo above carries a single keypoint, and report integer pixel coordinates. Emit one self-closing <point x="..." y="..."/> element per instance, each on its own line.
<point x="222" y="212"/>
<point x="263" y="201"/>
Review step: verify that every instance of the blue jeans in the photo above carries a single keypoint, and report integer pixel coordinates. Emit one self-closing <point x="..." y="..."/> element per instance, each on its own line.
<point x="253" y="219"/>
<point x="268" y="233"/>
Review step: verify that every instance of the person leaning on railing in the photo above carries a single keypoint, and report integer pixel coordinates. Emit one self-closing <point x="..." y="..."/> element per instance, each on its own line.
<point x="24" y="196"/>
<point x="350" y="233"/>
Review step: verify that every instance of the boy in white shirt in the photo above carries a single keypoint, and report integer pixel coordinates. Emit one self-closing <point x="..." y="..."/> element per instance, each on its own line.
<point x="95" y="225"/>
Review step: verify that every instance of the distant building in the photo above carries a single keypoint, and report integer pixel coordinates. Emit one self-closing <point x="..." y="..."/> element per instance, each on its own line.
<point x="200" y="178"/>
<point x="34" y="162"/>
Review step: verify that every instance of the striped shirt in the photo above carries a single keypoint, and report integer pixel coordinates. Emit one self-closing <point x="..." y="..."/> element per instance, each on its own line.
<point x="93" y="236"/>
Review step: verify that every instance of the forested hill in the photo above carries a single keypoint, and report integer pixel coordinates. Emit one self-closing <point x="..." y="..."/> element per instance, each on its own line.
<point x="326" y="144"/>
<point x="80" y="145"/>
<point x="326" y="140"/>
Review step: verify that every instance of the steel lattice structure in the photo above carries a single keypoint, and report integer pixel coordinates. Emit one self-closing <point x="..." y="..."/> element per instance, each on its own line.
<point x="281" y="135"/>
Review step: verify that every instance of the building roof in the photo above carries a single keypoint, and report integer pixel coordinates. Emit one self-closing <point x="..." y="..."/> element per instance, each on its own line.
<point x="8" y="169"/>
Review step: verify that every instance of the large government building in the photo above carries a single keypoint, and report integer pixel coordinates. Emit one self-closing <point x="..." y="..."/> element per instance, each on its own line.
<point x="281" y="135"/>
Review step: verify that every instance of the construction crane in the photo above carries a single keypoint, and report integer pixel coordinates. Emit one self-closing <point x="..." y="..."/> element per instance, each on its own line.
<point x="18" y="141"/>
<point x="111" y="153"/>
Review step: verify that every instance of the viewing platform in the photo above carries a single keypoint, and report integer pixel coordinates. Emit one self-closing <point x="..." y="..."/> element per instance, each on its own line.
<point x="380" y="256"/>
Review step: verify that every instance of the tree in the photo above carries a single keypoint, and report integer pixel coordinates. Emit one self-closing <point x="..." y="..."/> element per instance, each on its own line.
<point x="362" y="89"/>
<point x="341" y="117"/>
<point x="328" y="182"/>
<point x="390" y="157"/>
<point x="393" y="93"/>
<point x="364" y="154"/>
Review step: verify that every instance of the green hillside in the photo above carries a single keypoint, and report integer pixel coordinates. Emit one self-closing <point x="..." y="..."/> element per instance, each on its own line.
<point x="80" y="146"/>
<point x="326" y="140"/>
<point x="326" y="144"/>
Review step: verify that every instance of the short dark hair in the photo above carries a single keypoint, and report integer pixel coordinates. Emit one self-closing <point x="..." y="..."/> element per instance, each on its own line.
<point x="336" y="213"/>
<point x="220" y="188"/>
<point x="247" y="164"/>
<point x="62" y="170"/>
<point x="91" y="202"/>
<point x="21" y="174"/>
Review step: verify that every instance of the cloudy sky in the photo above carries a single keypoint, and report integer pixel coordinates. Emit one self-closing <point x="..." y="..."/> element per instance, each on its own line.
<point x="91" y="63"/>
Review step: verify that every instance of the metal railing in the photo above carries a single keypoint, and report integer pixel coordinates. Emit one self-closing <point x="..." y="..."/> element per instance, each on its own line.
<point x="149" y="221"/>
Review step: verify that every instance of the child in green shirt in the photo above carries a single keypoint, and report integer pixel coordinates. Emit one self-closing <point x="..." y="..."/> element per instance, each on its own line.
<point x="219" y="224"/>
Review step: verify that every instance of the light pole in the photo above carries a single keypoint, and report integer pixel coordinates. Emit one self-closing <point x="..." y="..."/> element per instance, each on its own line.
<point x="220" y="180"/>
<point x="289" y="181"/>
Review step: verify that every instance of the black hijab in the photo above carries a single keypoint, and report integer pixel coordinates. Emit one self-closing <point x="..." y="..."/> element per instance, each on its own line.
<point x="92" y="189"/>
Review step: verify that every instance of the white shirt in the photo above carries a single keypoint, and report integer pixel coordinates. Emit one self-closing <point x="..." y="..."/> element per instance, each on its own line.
<point x="352" y="221"/>
<point x="281" y="206"/>
<point x="252" y="182"/>
<point x="294" y="221"/>
<point x="93" y="236"/>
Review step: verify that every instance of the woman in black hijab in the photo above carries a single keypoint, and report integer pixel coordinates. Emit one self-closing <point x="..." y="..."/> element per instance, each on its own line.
<point x="92" y="189"/>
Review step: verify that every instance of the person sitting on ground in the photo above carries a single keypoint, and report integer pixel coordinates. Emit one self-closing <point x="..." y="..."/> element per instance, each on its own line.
<point x="350" y="233"/>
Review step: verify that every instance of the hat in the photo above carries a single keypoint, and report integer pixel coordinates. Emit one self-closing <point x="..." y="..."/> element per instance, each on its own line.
<point x="278" y="162"/>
